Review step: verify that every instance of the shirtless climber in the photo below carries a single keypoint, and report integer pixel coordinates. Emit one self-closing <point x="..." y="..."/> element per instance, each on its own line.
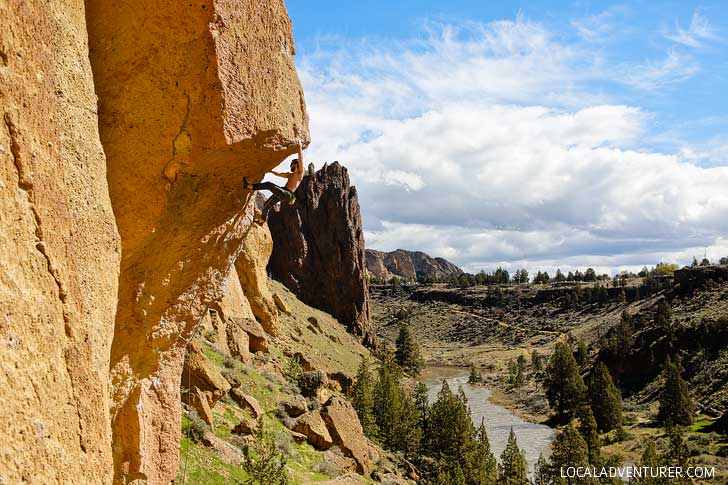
<point x="280" y="193"/>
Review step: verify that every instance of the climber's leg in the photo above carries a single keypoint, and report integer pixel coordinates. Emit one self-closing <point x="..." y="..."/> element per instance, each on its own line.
<point x="281" y="195"/>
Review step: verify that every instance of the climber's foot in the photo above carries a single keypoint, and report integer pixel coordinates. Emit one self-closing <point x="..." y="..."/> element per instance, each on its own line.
<point x="246" y="185"/>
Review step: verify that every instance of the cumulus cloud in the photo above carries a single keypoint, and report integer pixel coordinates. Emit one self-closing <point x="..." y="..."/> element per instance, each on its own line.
<point x="483" y="144"/>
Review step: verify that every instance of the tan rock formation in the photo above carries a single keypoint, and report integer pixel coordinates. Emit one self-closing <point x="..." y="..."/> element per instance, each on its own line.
<point x="247" y="402"/>
<point x="312" y="425"/>
<point x="192" y="97"/>
<point x="251" y="266"/>
<point x="346" y="431"/>
<point x="59" y="252"/>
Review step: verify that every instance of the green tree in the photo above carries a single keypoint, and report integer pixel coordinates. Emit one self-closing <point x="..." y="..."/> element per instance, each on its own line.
<point x="408" y="353"/>
<point x="363" y="398"/>
<point x="542" y="473"/>
<point x="512" y="469"/>
<point x="536" y="361"/>
<point x="582" y="354"/>
<point x="475" y="377"/>
<point x="588" y="430"/>
<point x="262" y="461"/>
<point x="569" y="450"/>
<point x="565" y="388"/>
<point x="481" y="464"/>
<point x="395" y="411"/>
<point x="676" y="406"/>
<point x="422" y="403"/>
<point x="606" y="399"/>
<point x="650" y="459"/>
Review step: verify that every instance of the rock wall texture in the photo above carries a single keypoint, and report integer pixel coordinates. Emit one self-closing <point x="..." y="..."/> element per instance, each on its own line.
<point x="59" y="252"/>
<point x="251" y="271"/>
<point x="192" y="97"/>
<point x="408" y="265"/>
<point x="318" y="248"/>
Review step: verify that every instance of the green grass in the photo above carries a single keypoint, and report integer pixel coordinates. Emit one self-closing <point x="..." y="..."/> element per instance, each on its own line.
<point x="205" y="468"/>
<point x="699" y="424"/>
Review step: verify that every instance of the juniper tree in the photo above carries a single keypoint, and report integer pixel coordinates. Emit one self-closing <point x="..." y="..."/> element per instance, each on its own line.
<point x="569" y="450"/>
<point x="536" y="361"/>
<point x="513" y="469"/>
<point x="262" y="461"/>
<point x="650" y="459"/>
<point x="480" y="462"/>
<point x="582" y="354"/>
<point x="363" y="398"/>
<point x="605" y="398"/>
<point x="565" y="388"/>
<point x="588" y="430"/>
<point x="676" y="406"/>
<point x="395" y="412"/>
<point x="408" y="353"/>
<point x="423" y="407"/>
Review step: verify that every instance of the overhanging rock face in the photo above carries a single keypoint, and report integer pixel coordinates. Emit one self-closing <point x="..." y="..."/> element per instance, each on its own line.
<point x="192" y="97"/>
<point x="59" y="252"/>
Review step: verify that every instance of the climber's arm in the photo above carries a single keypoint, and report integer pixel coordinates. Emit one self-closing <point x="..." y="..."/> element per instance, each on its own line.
<point x="284" y="175"/>
<point x="300" y="158"/>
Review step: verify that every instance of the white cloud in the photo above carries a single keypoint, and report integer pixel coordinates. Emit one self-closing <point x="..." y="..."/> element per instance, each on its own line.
<point x="700" y="30"/>
<point x="653" y="74"/>
<point x="484" y="145"/>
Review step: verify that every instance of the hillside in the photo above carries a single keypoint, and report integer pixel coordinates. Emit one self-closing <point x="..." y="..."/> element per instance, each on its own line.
<point x="408" y="265"/>
<point x="260" y="385"/>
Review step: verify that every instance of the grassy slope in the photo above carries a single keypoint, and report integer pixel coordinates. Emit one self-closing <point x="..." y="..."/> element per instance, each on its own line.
<point x="332" y="347"/>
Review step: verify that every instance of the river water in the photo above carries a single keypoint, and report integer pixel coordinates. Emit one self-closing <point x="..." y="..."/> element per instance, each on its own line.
<point x="533" y="439"/>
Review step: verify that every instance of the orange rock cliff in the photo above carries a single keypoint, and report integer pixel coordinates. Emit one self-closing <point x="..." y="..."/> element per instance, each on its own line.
<point x="120" y="224"/>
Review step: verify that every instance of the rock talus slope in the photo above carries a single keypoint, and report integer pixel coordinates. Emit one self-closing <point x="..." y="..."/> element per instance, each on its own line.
<point x="192" y="97"/>
<point x="59" y="252"/>
<point x="318" y="248"/>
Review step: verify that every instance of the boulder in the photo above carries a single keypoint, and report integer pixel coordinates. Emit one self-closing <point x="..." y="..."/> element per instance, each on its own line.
<point x="247" y="402"/>
<point x="280" y="304"/>
<point x="314" y="384"/>
<point x="298" y="437"/>
<point x="347" y="433"/>
<point x="251" y="267"/>
<point x="200" y="373"/>
<point x="313" y="427"/>
<point x="318" y="250"/>
<point x="201" y="402"/>
<point x="295" y="406"/>
<point x="257" y="338"/>
<point x="246" y="426"/>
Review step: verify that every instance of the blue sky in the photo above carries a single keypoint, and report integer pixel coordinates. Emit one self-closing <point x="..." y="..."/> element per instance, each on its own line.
<point x="535" y="134"/>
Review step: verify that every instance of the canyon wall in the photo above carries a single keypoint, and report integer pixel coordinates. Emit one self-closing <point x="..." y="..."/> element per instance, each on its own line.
<point x="192" y="97"/>
<point x="318" y="248"/>
<point x="408" y="265"/>
<point x="59" y="252"/>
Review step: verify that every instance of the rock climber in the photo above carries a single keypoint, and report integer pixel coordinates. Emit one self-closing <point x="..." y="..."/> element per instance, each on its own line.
<point x="280" y="194"/>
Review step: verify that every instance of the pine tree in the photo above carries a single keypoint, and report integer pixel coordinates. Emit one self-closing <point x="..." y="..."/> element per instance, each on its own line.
<point x="475" y="377"/>
<point x="513" y="469"/>
<point x="423" y="407"/>
<point x="677" y="453"/>
<point x="606" y="400"/>
<point x="363" y="398"/>
<point x="482" y="467"/>
<point x="588" y="430"/>
<point x="536" y="361"/>
<point x="565" y="388"/>
<point x="582" y="354"/>
<point x="542" y="473"/>
<point x="387" y="402"/>
<point x="676" y="406"/>
<point x="569" y="449"/>
<point x="408" y="353"/>
<point x="650" y="460"/>
<point x="262" y="461"/>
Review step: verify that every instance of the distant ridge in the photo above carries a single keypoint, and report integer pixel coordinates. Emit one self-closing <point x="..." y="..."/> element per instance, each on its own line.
<point x="408" y="265"/>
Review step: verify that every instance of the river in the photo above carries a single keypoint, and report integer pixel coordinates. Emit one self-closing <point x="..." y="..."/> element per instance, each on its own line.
<point x="533" y="439"/>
